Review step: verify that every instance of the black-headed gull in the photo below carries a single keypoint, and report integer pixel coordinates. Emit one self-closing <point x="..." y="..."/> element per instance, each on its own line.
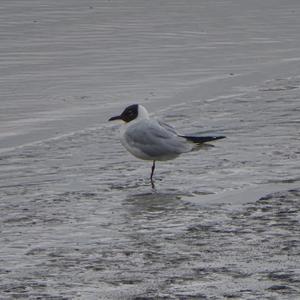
<point x="150" y="139"/>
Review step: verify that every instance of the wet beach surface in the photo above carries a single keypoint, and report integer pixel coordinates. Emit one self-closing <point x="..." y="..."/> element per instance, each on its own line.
<point x="78" y="217"/>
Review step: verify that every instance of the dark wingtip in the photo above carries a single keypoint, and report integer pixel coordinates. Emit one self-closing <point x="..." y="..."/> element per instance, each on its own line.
<point x="203" y="139"/>
<point x="220" y="137"/>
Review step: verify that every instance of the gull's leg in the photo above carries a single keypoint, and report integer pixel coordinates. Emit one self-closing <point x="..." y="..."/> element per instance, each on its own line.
<point x="151" y="177"/>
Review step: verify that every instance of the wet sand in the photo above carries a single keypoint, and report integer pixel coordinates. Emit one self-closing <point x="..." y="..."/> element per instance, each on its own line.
<point x="78" y="217"/>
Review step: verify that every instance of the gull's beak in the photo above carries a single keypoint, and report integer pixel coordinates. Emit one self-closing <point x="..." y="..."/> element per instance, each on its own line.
<point x="115" y="118"/>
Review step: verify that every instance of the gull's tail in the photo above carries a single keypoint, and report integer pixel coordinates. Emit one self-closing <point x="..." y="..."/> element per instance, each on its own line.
<point x="202" y="139"/>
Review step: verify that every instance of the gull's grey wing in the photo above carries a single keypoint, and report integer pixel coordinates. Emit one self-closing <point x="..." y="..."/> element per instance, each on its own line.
<point x="156" y="140"/>
<point x="168" y="127"/>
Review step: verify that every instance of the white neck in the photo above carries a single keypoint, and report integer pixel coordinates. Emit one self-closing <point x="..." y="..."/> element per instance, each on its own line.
<point x="142" y="113"/>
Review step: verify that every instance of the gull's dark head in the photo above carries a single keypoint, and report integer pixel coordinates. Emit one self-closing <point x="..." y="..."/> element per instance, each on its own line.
<point x="130" y="113"/>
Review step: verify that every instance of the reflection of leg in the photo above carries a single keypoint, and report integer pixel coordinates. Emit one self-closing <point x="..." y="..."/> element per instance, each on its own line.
<point x="152" y="172"/>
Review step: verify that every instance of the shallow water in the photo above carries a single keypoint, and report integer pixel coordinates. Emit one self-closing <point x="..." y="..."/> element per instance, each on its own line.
<point x="78" y="217"/>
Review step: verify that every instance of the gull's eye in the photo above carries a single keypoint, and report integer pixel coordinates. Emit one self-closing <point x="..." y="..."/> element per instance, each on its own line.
<point x="130" y="113"/>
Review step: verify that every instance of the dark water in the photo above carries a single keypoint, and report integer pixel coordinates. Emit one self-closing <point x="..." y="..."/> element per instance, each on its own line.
<point x="78" y="217"/>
